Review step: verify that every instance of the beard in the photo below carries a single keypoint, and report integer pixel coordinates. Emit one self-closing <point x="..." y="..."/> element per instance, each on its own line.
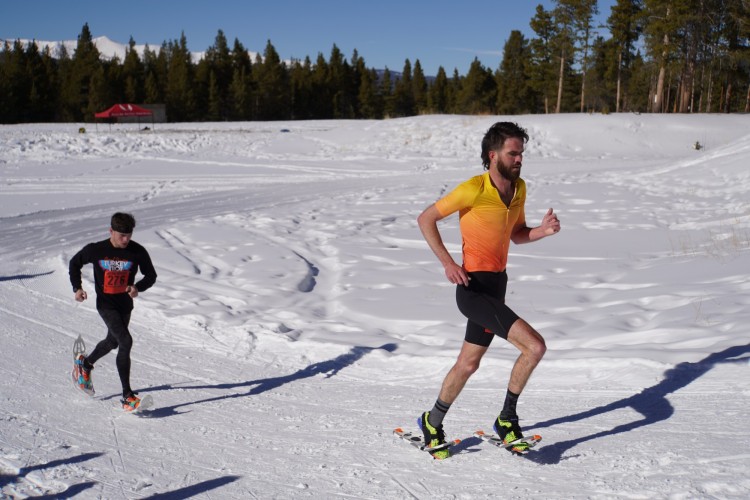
<point x="511" y="172"/>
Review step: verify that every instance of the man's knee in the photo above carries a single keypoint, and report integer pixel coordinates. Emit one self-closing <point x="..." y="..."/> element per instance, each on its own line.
<point x="528" y="340"/>
<point x="537" y="349"/>
<point x="468" y="365"/>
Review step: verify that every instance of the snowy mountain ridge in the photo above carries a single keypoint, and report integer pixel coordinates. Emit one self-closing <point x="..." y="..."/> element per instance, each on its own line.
<point x="108" y="48"/>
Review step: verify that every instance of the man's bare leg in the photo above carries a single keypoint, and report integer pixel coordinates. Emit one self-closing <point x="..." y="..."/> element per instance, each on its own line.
<point x="465" y="366"/>
<point x="532" y="347"/>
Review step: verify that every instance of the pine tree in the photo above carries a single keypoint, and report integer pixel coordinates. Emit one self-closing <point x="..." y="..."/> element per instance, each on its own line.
<point x="218" y="77"/>
<point x="17" y="97"/>
<point x="358" y="72"/>
<point x="273" y="86"/>
<point x="179" y="96"/>
<point x="403" y="96"/>
<point x="584" y="12"/>
<point x="636" y="93"/>
<point x="478" y="90"/>
<point x="153" y="66"/>
<point x="541" y="68"/>
<point x="625" y="28"/>
<point x="512" y="82"/>
<point x="339" y="82"/>
<point x="386" y="93"/>
<point x="6" y="109"/>
<point x="241" y="95"/>
<point x="366" y="81"/>
<point x="419" y="89"/>
<point x="133" y="74"/>
<point x="368" y="95"/>
<point x="214" y="111"/>
<point x="241" y="87"/>
<point x="737" y="34"/>
<point x="113" y="86"/>
<point x="99" y="92"/>
<point x="33" y="62"/>
<point x="602" y="75"/>
<point x="726" y="55"/>
<point x="454" y="90"/>
<point x="322" y="102"/>
<point x="201" y="91"/>
<point x="302" y="89"/>
<point x="48" y="87"/>
<point x="438" y="97"/>
<point x="76" y="87"/>
<point x="564" y="43"/>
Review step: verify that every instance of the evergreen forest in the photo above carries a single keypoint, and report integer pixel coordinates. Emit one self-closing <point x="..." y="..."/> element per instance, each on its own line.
<point x="659" y="56"/>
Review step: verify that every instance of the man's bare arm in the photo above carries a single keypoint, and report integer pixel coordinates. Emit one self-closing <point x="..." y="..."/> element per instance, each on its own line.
<point x="550" y="225"/>
<point x="427" y="221"/>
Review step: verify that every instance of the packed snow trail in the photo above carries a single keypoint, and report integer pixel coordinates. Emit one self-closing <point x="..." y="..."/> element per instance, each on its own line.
<point x="299" y="316"/>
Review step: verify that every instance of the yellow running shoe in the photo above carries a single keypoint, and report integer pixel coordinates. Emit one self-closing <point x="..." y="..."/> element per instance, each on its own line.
<point x="508" y="430"/>
<point x="433" y="436"/>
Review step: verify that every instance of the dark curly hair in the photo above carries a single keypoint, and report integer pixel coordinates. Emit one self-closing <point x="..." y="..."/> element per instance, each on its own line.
<point x="496" y="136"/>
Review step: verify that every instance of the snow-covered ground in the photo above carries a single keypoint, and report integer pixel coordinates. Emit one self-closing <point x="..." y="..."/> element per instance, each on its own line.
<point x="299" y="316"/>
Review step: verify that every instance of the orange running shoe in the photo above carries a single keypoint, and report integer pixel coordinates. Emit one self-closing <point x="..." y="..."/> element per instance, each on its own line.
<point x="130" y="403"/>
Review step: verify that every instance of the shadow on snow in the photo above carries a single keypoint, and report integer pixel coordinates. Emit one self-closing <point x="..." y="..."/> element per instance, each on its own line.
<point x="195" y="489"/>
<point x="328" y="368"/>
<point x="20" y="277"/>
<point x="652" y="403"/>
<point x="6" y="479"/>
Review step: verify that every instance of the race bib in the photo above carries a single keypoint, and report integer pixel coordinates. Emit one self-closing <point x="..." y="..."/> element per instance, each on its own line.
<point x="116" y="275"/>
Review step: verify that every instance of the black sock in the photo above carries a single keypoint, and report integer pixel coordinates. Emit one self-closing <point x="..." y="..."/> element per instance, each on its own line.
<point x="437" y="414"/>
<point x="509" y="408"/>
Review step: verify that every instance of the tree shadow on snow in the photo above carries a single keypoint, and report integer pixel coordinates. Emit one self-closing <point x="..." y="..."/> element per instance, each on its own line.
<point x="652" y="403"/>
<point x="6" y="479"/>
<point x="195" y="489"/>
<point x="328" y="368"/>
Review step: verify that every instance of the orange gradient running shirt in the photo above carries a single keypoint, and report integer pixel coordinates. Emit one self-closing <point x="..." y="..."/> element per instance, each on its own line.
<point x="486" y="223"/>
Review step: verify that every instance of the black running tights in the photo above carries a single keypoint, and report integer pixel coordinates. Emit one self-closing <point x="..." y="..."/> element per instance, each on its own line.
<point x="118" y="337"/>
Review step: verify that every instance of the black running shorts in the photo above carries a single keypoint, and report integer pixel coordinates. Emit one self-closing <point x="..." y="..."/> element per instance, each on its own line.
<point x="483" y="303"/>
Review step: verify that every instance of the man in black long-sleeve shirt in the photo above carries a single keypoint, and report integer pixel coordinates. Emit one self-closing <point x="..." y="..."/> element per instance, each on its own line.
<point x="116" y="262"/>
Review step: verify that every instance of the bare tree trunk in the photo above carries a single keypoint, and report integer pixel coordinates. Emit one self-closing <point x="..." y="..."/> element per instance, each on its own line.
<point x="583" y="70"/>
<point x="651" y="96"/>
<point x="619" y="82"/>
<point x="703" y="86"/>
<point x="692" y="93"/>
<point x="583" y="89"/>
<point x="659" y="96"/>
<point x="685" y="89"/>
<point x="560" y="83"/>
<point x="747" y="100"/>
<point x="728" y="100"/>
<point x="688" y="79"/>
<point x="659" y="102"/>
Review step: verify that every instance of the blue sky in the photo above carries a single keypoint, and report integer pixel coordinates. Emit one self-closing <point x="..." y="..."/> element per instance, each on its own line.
<point x="384" y="32"/>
